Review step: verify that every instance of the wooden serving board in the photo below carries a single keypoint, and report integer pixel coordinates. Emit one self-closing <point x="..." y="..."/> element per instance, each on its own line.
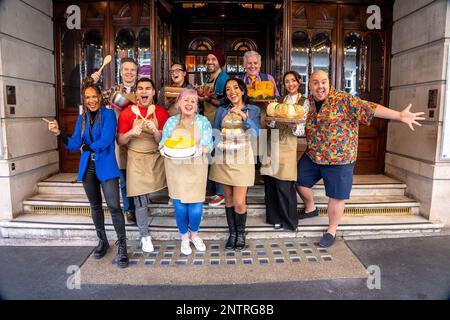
<point x="262" y="101"/>
<point x="285" y="120"/>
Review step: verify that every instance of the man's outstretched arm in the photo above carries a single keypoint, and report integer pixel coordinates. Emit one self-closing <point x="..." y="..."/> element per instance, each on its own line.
<point x="405" y="116"/>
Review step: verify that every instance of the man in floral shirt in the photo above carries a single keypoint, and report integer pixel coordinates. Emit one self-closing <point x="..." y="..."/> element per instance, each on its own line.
<point x="332" y="139"/>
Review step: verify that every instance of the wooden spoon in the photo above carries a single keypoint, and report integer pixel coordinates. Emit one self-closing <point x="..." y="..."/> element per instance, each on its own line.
<point x="106" y="60"/>
<point x="136" y="111"/>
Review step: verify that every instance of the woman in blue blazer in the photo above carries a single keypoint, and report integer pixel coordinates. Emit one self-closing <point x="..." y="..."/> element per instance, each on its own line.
<point x="94" y="136"/>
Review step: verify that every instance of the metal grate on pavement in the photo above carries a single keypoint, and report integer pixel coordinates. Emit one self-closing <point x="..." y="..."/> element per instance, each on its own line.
<point x="257" y="252"/>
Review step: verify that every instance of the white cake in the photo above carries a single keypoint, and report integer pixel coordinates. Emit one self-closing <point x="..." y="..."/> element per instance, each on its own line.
<point x="179" y="147"/>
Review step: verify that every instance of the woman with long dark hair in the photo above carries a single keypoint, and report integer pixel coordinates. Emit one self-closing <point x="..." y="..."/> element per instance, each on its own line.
<point x="234" y="163"/>
<point x="94" y="135"/>
<point x="280" y="174"/>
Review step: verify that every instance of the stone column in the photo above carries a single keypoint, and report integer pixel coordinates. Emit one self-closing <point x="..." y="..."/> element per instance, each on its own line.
<point x="420" y="42"/>
<point x="28" y="152"/>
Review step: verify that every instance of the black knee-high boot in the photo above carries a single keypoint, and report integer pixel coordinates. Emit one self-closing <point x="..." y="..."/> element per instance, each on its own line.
<point x="231" y="243"/>
<point x="99" y="221"/>
<point x="241" y="220"/>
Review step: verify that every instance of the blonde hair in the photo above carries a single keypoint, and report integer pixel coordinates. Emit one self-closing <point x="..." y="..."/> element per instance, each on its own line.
<point x="186" y="93"/>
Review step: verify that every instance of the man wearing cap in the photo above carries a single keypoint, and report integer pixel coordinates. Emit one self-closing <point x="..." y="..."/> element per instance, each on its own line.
<point x="128" y="74"/>
<point x="252" y="62"/>
<point x="215" y="83"/>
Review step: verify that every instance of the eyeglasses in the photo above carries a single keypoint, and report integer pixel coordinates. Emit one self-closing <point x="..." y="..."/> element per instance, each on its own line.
<point x="175" y="71"/>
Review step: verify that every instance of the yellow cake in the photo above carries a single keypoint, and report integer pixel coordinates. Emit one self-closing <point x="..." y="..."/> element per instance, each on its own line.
<point x="179" y="147"/>
<point x="262" y="90"/>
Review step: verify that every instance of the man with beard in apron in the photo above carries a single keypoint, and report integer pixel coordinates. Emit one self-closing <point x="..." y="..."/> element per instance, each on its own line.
<point x="234" y="163"/>
<point x="186" y="178"/>
<point x="139" y="129"/>
<point x="215" y="83"/>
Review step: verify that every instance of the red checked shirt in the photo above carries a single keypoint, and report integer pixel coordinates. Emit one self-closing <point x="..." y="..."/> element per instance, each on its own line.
<point x="332" y="134"/>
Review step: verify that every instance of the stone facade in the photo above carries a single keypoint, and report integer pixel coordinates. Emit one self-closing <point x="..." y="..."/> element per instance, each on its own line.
<point x="28" y="152"/>
<point x="419" y="63"/>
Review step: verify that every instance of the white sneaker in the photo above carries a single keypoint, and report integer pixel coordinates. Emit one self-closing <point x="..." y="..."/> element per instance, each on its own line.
<point x="147" y="245"/>
<point x="198" y="243"/>
<point x="186" y="247"/>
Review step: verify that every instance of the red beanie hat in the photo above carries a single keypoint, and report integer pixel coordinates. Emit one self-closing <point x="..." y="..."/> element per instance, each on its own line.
<point x="219" y="55"/>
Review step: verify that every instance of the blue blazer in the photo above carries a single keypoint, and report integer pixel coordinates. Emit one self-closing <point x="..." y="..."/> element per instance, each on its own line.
<point x="104" y="135"/>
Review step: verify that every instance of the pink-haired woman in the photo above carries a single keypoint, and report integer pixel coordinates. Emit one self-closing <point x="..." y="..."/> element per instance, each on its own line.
<point x="186" y="179"/>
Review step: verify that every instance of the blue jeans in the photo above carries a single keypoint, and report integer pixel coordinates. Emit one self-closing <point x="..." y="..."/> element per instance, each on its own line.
<point x="214" y="187"/>
<point x="188" y="216"/>
<point x="128" y="203"/>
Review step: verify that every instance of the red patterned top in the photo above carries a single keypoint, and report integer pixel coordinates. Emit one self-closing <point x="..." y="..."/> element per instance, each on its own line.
<point x="332" y="134"/>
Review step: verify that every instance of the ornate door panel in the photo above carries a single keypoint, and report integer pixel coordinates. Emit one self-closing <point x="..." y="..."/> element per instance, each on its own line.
<point x="119" y="28"/>
<point x="78" y="54"/>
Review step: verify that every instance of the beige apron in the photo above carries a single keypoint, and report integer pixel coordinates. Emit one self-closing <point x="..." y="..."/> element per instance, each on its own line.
<point x="186" y="179"/>
<point x="283" y="162"/>
<point x="169" y="103"/>
<point x="121" y="151"/>
<point x="209" y="110"/>
<point x="234" y="168"/>
<point x="145" y="165"/>
<point x="172" y="110"/>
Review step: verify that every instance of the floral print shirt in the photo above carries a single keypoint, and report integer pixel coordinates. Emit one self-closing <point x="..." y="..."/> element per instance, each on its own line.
<point x="332" y="134"/>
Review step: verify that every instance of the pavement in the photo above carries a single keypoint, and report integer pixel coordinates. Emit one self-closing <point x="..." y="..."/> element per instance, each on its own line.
<point x="408" y="268"/>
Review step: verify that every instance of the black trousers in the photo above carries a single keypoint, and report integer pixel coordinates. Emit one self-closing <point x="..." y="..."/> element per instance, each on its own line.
<point x="281" y="202"/>
<point x="111" y="192"/>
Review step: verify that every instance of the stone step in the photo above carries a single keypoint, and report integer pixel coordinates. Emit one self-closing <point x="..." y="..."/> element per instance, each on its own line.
<point x="319" y="190"/>
<point x="357" y="205"/>
<point x="71" y="229"/>
<point x="363" y="185"/>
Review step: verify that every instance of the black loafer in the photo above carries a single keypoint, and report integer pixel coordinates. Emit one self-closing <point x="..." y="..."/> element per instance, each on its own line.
<point x="305" y="215"/>
<point x="327" y="240"/>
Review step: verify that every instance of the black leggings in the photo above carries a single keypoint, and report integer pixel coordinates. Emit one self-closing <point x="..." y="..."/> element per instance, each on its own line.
<point x="111" y="192"/>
